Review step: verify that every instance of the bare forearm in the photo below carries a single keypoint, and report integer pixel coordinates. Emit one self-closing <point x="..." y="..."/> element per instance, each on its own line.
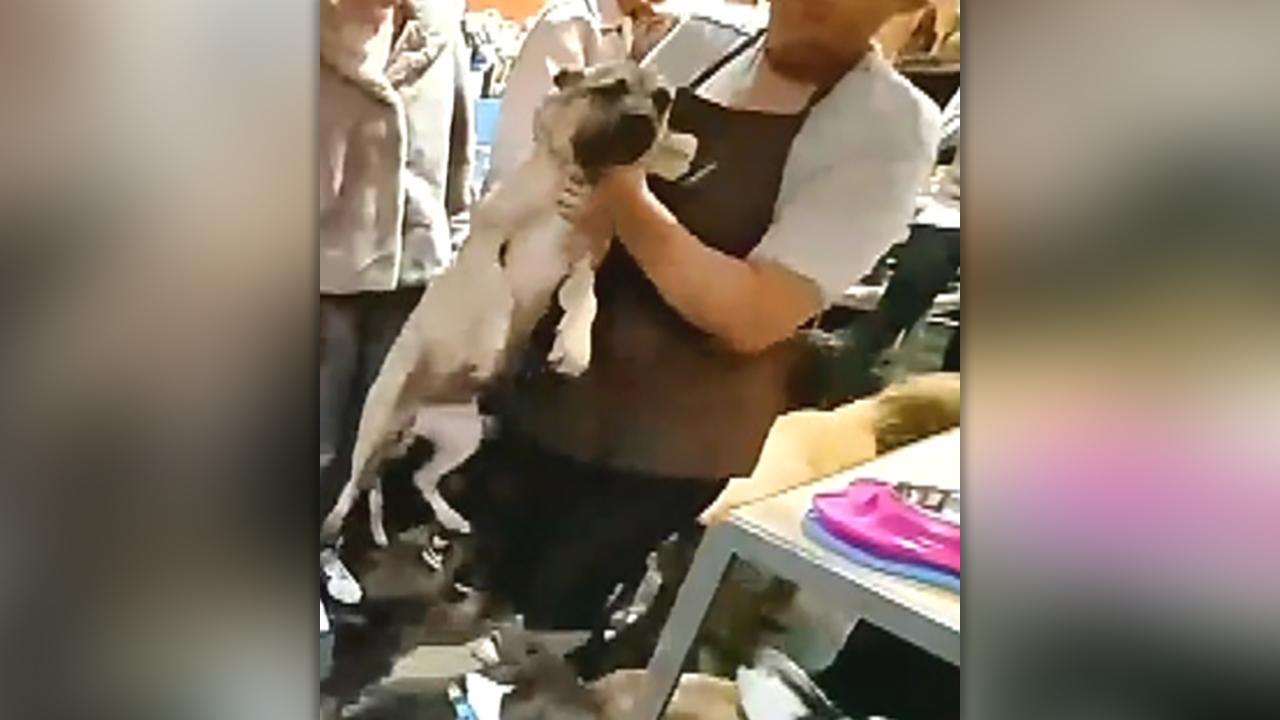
<point x="748" y="305"/>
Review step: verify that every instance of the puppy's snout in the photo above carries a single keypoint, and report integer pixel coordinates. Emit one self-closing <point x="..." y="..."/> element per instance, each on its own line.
<point x="661" y="100"/>
<point x="618" y="140"/>
<point x="636" y="131"/>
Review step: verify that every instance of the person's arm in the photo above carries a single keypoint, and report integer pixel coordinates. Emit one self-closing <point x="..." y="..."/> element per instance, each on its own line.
<point x="828" y="229"/>
<point x="749" y="304"/>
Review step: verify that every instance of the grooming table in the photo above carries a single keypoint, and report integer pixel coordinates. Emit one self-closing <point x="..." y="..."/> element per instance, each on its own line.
<point x="767" y="534"/>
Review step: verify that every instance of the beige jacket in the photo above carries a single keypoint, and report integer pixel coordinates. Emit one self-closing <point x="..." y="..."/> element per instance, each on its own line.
<point x="395" y="142"/>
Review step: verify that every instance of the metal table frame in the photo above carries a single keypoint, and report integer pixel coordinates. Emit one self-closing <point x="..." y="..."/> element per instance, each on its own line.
<point x="804" y="564"/>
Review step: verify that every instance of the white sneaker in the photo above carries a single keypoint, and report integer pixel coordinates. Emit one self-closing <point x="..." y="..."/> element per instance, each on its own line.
<point x="338" y="581"/>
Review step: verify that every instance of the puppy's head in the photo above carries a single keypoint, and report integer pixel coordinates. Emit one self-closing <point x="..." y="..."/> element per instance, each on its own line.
<point x="603" y="117"/>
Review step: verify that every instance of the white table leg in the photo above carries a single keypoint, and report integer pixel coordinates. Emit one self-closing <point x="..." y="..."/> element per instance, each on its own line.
<point x="709" y="564"/>
<point x="806" y="567"/>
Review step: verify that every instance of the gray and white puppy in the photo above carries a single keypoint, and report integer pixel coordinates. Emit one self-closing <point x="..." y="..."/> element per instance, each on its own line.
<point x="474" y="317"/>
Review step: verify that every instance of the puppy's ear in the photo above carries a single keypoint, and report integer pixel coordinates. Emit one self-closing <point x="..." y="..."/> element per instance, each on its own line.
<point x="564" y="78"/>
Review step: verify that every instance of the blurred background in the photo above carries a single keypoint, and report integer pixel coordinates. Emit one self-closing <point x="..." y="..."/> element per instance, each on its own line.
<point x="1121" y="360"/>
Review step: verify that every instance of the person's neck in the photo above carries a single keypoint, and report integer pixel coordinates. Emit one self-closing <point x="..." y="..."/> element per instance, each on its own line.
<point x="771" y="91"/>
<point x="825" y="69"/>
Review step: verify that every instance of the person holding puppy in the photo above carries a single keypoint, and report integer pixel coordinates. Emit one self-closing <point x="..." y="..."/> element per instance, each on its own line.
<point x="811" y="151"/>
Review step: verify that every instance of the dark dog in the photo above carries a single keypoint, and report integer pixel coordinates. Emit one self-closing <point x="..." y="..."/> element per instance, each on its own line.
<point x="410" y="601"/>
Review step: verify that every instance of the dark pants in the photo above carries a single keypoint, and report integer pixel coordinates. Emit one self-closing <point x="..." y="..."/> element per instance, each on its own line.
<point x="356" y="331"/>
<point x="556" y="536"/>
<point x="876" y="673"/>
<point x="951" y="356"/>
<point x="927" y="262"/>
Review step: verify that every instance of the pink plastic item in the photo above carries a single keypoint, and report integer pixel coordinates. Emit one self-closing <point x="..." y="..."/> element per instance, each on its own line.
<point x="872" y="516"/>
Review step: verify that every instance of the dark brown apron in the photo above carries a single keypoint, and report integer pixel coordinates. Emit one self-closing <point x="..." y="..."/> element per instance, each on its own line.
<point x="661" y="396"/>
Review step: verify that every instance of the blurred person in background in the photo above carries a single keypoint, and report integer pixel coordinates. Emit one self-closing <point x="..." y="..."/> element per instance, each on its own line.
<point x="395" y="140"/>
<point x="930" y="258"/>
<point x="567" y="34"/>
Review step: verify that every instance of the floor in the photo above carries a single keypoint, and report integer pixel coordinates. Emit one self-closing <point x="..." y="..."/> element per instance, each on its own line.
<point x="399" y="658"/>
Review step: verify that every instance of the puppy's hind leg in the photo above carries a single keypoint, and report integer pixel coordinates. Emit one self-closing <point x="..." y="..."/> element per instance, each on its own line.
<point x="395" y="444"/>
<point x="450" y="518"/>
<point x="332" y="526"/>
<point x="376" y="514"/>
<point x="456" y="432"/>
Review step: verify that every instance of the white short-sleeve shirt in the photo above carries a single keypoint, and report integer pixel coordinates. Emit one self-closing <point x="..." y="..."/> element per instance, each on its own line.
<point x="850" y="183"/>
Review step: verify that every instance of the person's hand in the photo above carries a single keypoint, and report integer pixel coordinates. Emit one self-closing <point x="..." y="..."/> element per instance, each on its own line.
<point x="588" y="212"/>
<point x="622" y="184"/>
<point x="648" y="30"/>
<point x="591" y="209"/>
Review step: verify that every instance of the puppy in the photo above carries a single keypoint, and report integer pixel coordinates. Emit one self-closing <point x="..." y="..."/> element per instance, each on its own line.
<point x="776" y="688"/>
<point x="807" y="445"/>
<point x="409" y="603"/>
<point x="696" y="697"/>
<point x="545" y="687"/>
<point x="475" y="315"/>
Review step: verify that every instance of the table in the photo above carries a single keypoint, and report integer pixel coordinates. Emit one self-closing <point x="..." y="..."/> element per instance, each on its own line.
<point x="767" y="533"/>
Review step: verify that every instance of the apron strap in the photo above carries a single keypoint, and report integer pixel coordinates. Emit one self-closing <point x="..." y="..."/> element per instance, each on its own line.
<point x="725" y="59"/>
<point x="819" y="94"/>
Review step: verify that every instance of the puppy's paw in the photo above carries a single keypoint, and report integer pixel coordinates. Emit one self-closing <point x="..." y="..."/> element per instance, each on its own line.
<point x="332" y="527"/>
<point x="450" y="519"/>
<point x="571" y="352"/>
<point x="683" y="145"/>
<point x="672" y="155"/>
